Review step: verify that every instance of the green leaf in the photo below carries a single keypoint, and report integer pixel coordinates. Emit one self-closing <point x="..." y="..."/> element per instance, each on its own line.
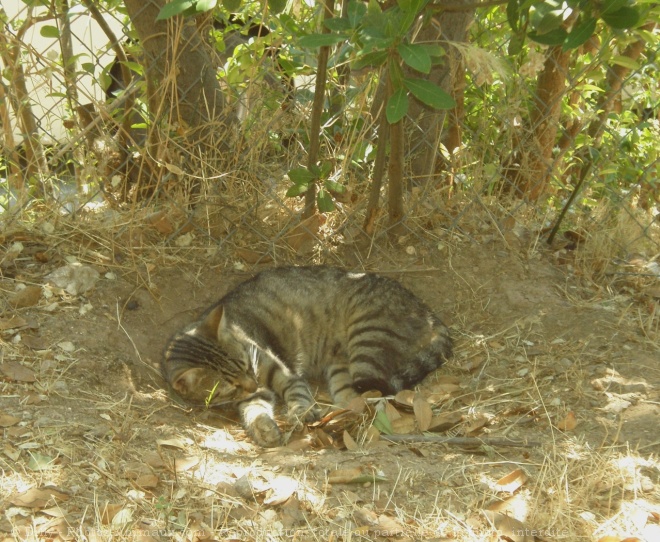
<point x="276" y="6"/>
<point x="311" y="41"/>
<point x="550" y="21"/>
<point x="355" y="12"/>
<point x="176" y="7"/>
<point x="626" y="62"/>
<point x="232" y="6"/>
<point x="626" y="17"/>
<point x="338" y="25"/>
<point x="433" y="49"/>
<point x="554" y="37"/>
<point x="382" y="423"/>
<point x="416" y="56"/>
<point x="49" y="31"/>
<point x="397" y="106"/>
<point x="334" y="186"/>
<point x="396" y="73"/>
<point x="429" y="93"/>
<point x="324" y="201"/>
<point x="375" y="58"/>
<point x="89" y="67"/>
<point x="301" y="175"/>
<point x="324" y="170"/>
<point x="404" y="4"/>
<point x="580" y="34"/>
<point x="516" y="43"/>
<point x="513" y="14"/>
<point x="202" y="6"/>
<point x="296" y="190"/>
<point x="610" y="6"/>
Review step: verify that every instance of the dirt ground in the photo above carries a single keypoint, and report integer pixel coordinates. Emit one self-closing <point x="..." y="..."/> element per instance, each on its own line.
<point x="95" y="449"/>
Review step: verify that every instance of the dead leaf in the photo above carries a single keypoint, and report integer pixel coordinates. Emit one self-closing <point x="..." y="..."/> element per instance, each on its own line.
<point x="27" y="297"/>
<point x="147" y="481"/>
<point x="357" y="405"/>
<point x="17" y="372"/>
<point x="477" y="423"/>
<point x="350" y="443"/>
<point x="388" y="527"/>
<point x="568" y="423"/>
<point x="510" y="528"/>
<point x="7" y="420"/>
<point x="344" y="476"/>
<point x="405" y="398"/>
<point x="445" y="421"/>
<point x="404" y="425"/>
<point x="282" y="488"/>
<point x="304" y="235"/>
<point x="39" y="497"/>
<point x="423" y="412"/>
<point x="512" y="481"/>
<point x="13" y="322"/>
<point x="11" y="452"/>
<point x="34" y="343"/>
<point x="183" y="464"/>
<point x="252" y="256"/>
<point x="391" y="412"/>
<point x="160" y="222"/>
<point x="182" y="444"/>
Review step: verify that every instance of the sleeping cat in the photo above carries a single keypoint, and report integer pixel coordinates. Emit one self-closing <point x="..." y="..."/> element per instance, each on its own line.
<point x="260" y="342"/>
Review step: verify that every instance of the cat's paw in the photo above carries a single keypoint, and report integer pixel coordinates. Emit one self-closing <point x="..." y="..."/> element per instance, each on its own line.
<point x="264" y="431"/>
<point x="298" y="414"/>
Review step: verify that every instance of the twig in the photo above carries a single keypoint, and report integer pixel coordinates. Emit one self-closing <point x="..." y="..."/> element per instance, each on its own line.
<point x="463" y="441"/>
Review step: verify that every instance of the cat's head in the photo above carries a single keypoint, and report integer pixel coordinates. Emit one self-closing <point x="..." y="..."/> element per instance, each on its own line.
<point x="208" y="363"/>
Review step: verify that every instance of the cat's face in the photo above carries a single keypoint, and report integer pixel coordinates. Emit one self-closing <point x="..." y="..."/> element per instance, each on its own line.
<point x="209" y="364"/>
<point x="217" y="380"/>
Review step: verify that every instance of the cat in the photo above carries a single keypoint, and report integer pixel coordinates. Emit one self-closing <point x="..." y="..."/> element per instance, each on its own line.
<point x="262" y="340"/>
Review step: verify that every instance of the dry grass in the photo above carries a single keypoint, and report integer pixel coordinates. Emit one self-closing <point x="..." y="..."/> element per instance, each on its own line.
<point x="128" y="466"/>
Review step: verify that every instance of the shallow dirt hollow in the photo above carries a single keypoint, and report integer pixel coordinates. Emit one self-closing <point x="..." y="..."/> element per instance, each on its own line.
<point x="536" y="352"/>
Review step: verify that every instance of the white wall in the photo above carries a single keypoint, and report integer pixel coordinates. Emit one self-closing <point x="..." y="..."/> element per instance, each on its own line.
<point x="41" y="61"/>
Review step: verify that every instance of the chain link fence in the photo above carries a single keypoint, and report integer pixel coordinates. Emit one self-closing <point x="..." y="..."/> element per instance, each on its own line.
<point x="79" y="137"/>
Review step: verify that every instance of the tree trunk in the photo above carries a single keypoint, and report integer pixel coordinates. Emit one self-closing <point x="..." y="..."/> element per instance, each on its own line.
<point x="537" y="167"/>
<point x="182" y="86"/>
<point x="425" y="123"/>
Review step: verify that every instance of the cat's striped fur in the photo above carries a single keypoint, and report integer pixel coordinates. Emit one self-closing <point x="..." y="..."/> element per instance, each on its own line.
<point x="261" y="341"/>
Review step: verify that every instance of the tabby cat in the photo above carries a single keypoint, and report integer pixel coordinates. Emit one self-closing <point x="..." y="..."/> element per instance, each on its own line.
<point x="260" y="342"/>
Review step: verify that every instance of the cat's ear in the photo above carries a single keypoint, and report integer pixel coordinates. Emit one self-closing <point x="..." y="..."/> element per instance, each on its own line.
<point x="212" y="323"/>
<point x="187" y="382"/>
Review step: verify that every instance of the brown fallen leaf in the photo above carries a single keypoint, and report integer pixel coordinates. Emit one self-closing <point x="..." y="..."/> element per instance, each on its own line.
<point x="404" y="425"/>
<point x="6" y="420"/>
<point x="17" y="372"/>
<point x="405" y="398"/>
<point x="568" y="423"/>
<point x="27" y="297"/>
<point x="252" y="256"/>
<point x="147" y="481"/>
<point x="304" y="235"/>
<point x="445" y="421"/>
<point x="183" y="464"/>
<point x="34" y="343"/>
<point x="39" y="497"/>
<point x="344" y="476"/>
<point x="512" y="481"/>
<point x="109" y="512"/>
<point x="477" y="423"/>
<point x="391" y="412"/>
<point x="160" y="222"/>
<point x="510" y="528"/>
<point x="350" y="443"/>
<point x="423" y="412"/>
<point x="12" y="322"/>
<point x="281" y="490"/>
